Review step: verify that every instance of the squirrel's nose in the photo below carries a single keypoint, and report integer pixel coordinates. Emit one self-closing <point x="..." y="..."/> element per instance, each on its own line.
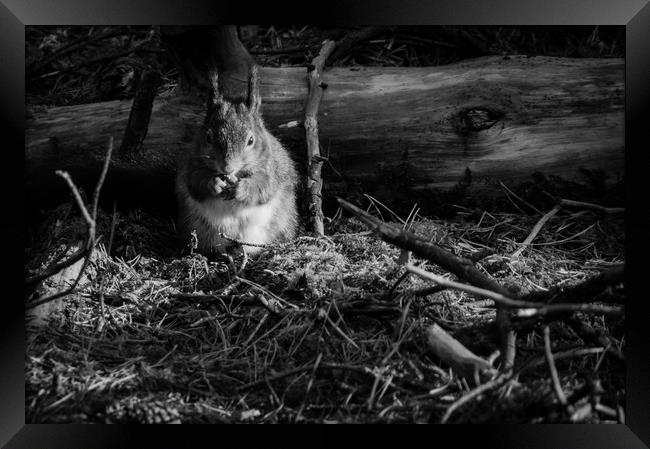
<point x="229" y="169"/>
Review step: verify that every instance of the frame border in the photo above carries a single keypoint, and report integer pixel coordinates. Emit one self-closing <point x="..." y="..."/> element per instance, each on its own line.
<point x="635" y="14"/>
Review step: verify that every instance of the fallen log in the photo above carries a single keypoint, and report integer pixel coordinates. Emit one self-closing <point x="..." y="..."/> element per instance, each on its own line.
<point x="386" y="131"/>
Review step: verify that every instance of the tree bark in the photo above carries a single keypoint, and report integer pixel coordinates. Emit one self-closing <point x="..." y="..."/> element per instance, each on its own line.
<point x="385" y="130"/>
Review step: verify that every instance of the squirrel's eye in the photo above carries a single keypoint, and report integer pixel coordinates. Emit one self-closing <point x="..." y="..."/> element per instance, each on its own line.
<point x="208" y="136"/>
<point x="251" y="140"/>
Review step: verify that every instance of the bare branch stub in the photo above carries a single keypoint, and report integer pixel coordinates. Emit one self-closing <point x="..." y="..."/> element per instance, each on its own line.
<point x="458" y="357"/>
<point x="140" y="115"/>
<point x="314" y="159"/>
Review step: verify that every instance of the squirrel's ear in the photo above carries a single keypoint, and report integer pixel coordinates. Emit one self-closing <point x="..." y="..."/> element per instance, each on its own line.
<point x="215" y="95"/>
<point x="254" y="97"/>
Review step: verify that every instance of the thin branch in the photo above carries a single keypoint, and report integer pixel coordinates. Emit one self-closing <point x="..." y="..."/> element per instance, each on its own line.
<point x="504" y="378"/>
<point x="562" y="203"/>
<point x="520" y="199"/>
<point x="240" y="243"/>
<point x="494" y="383"/>
<point x="592" y="206"/>
<point x="585" y="290"/>
<point x="102" y="177"/>
<point x="552" y="369"/>
<point x="314" y="158"/>
<point x="535" y="231"/>
<point x="90" y="242"/>
<point x="54" y="269"/>
<point x="462" y="268"/>
<point x="77" y="196"/>
<point x="527" y="308"/>
<point x="51" y="271"/>
<point x="590" y="335"/>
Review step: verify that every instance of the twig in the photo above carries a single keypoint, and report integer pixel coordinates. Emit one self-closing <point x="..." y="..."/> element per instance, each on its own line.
<point x="339" y="330"/>
<point x="535" y="231"/>
<point x="54" y="269"/>
<point x="462" y="268"/>
<point x="516" y="196"/>
<point x="592" y="206"/>
<point x="561" y="203"/>
<point x="568" y="354"/>
<point x="240" y="243"/>
<point x="87" y="248"/>
<point x="314" y="159"/>
<point x="257" y="328"/>
<point x="102" y="177"/>
<point x="586" y="289"/>
<point x="552" y="369"/>
<point x="45" y="299"/>
<point x="529" y="308"/>
<point x="494" y="383"/>
<point x="556" y="242"/>
<point x="503" y="378"/>
<point x="591" y="335"/>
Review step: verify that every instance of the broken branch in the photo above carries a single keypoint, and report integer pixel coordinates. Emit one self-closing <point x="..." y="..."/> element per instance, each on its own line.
<point x="314" y="159"/>
<point x="463" y="361"/>
<point x="462" y="268"/>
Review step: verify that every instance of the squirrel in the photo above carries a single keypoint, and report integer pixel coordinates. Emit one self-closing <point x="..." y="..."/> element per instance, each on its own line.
<point x="237" y="182"/>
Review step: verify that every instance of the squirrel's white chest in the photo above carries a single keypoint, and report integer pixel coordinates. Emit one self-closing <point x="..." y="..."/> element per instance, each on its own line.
<point x="250" y="224"/>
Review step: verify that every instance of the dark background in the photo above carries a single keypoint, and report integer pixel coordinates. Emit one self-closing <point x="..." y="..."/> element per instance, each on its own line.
<point x="558" y="12"/>
<point x="85" y="64"/>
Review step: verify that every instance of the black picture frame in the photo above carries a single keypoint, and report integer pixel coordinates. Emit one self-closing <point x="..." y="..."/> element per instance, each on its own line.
<point x="634" y="14"/>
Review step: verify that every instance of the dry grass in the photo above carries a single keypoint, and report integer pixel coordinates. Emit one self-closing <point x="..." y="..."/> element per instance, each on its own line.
<point x="311" y="333"/>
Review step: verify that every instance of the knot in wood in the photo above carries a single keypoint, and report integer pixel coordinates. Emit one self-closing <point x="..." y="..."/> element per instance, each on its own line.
<point x="476" y="119"/>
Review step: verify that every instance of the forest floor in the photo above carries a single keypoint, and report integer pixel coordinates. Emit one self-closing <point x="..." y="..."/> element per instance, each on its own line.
<point x="325" y="329"/>
<point x="314" y="330"/>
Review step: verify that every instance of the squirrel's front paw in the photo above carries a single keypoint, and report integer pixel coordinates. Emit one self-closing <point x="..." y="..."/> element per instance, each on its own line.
<point x="243" y="190"/>
<point x="221" y="186"/>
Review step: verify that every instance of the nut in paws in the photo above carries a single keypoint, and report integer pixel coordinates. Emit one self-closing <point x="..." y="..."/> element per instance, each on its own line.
<point x="223" y="186"/>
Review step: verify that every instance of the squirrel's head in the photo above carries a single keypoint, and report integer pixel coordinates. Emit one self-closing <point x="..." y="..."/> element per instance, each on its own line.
<point x="233" y="133"/>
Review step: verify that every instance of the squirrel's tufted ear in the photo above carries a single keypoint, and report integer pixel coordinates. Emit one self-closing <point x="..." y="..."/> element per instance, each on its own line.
<point x="254" y="97"/>
<point x="215" y="96"/>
